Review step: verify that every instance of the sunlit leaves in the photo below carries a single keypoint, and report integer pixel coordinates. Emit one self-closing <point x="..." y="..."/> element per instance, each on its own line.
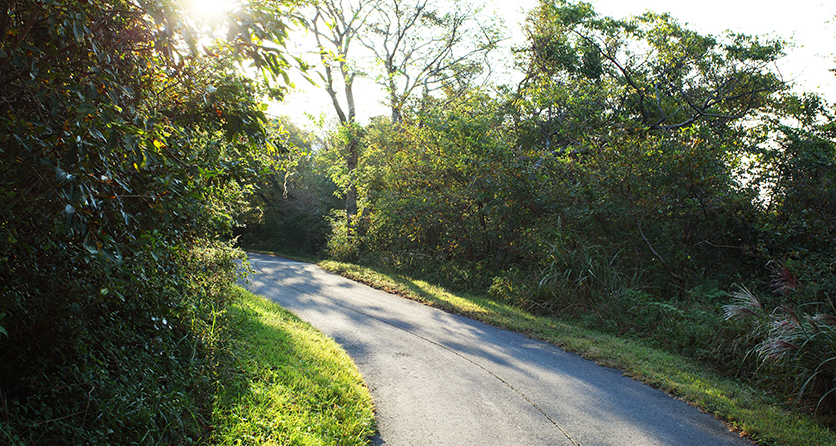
<point x="658" y="74"/>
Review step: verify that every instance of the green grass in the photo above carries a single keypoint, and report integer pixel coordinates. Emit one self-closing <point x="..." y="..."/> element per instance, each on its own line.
<point x="749" y="411"/>
<point x="287" y="383"/>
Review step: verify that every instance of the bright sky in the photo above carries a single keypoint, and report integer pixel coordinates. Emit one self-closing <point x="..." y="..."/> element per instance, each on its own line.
<point x="809" y="24"/>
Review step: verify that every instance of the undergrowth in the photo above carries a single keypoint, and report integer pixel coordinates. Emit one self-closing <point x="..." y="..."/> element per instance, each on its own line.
<point x="221" y="367"/>
<point x="139" y="368"/>
<point x="747" y="409"/>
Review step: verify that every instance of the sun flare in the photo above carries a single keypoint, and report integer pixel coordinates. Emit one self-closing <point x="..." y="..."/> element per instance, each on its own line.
<point x="212" y="9"/>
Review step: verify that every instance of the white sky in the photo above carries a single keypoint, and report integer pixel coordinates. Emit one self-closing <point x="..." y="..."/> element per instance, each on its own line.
<point x="809" y="24"/>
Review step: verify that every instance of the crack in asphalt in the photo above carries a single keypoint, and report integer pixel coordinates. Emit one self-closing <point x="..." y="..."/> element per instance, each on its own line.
<point x="517" y="391"/>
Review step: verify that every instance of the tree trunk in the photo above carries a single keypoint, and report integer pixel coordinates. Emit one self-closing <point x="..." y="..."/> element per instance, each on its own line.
<point x="352" y="158"/>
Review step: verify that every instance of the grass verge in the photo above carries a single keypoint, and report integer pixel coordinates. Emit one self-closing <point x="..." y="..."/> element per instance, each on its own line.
<point x="286" y="383"/>
<point x="749" y="411"/>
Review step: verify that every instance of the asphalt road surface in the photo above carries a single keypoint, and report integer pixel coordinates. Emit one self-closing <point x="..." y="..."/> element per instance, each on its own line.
<point x="441" y="379"/>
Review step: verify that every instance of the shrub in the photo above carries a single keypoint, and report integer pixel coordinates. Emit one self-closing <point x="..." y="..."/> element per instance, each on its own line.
<point x="511" y="286"/>
<point x="796" y="346"/>
<point x="343" y="244"/>
<point x="581" y="277"/>
<point x="137" y="368"/>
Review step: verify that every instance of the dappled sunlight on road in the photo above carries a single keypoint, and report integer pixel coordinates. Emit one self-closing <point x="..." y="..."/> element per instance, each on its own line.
<point x="439" y="378"/>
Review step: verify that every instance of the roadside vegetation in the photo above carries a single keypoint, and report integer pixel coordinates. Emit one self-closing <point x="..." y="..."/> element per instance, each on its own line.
<point x="750" y="411"/>
<point x="663" y="187"/>
<point x="286" y="383"/>
<point x="128" y="138"/>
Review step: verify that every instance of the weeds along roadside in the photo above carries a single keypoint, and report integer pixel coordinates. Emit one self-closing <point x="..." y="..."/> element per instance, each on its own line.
<point x="189" y="365"/>
<point x="130" y="364"/>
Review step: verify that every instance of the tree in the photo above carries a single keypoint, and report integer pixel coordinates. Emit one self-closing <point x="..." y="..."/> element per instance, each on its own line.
<point x="657" y="75"/>
<point x="796" y="174"/>
<point x="336" y="25"/>
<point x="445" y="188"/>
<point x="418" y="46"/>
<point x="122" y="147"/>
<point x="423" y="47"/>
<point x="653" y="116"/>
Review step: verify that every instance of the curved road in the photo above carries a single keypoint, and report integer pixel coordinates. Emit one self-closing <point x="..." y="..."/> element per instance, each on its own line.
<point x="441" y="379"/>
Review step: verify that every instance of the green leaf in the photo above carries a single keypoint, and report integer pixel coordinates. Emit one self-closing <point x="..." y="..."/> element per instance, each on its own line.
<point x="86" y="109"/>
<point x="97" y="134"/>
<point x="78" y="31"/>
<point x="112" y="140"/>
<point x="89" y="246"/>
<point x="23" y="143"/>
<point x="114" y="256"/>
<point x="29" y="47"/>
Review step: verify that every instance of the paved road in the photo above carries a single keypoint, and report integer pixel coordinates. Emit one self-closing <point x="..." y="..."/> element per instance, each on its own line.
<point x="442" y="379"/>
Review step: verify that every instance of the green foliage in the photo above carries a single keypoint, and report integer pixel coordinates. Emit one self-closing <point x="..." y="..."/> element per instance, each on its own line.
<point x="287" y="204"/>
<point x="513" y="287"/>
<point x="579" y="278"/>
<point x="441" y="191"/>
<point x="799" y="171"/>
<point x="121" y="370"/>
<point x="123" y="151"/>
<point x="344" y="150"/>
<point x="343" y="243"/>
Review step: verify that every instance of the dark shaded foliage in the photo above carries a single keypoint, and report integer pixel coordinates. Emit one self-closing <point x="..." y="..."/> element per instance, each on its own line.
<point x="122" y="149"/>
<point x="287" y="207"/>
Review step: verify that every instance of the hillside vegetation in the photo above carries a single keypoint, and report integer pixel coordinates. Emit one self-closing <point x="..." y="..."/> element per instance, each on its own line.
<point x="643" y="179"/>
<point x="127" y="138"/>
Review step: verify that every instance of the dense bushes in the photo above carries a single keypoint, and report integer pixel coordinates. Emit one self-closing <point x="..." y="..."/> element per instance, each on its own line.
<point x="287" y="212"/>
<point x="115" y="370"/>
<point x="122" y="154"/>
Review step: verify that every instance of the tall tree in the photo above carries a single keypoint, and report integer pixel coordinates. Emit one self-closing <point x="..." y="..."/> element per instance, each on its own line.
<point x="420" y="46"/>
<point x="425" y="45"/>
<point x="336" y="25"/>
<point x="658" y="74"/>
